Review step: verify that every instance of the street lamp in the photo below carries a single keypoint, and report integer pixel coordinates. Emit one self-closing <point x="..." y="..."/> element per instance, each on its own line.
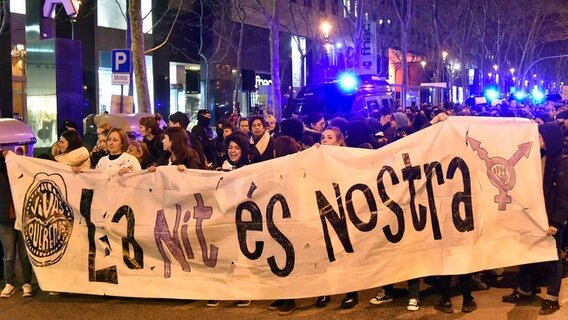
<point x="423" y="64"/>
<point x="454" y="67"/>
<point x="444" y="56"/>
<point x="326" y="29"/>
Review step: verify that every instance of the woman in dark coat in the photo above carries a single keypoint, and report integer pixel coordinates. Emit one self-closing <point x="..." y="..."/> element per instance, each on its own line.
<point x="178" y="150"/>
<point x="555" y="187"/>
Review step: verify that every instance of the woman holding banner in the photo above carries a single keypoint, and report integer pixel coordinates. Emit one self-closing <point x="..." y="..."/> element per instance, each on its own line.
<point x="555" y="187"/>
<point x="178" y="150"/>
<point x="11" y="240"/>
<point x="71" y="150"/>
<point x="237" y="151"/>
<point x="118" y="160"/>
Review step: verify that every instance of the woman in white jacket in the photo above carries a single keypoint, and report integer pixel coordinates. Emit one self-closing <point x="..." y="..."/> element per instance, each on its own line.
<point x="118" y="160"/>
<point x="71" y="151"/>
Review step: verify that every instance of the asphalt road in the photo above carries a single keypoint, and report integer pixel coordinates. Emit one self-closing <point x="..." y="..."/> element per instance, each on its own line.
<point x="74" y="306"/>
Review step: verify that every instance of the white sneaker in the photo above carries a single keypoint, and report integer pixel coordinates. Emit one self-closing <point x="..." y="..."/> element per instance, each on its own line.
<point x="8" y="291"/>
<point x="27" y="290"/>
<point x="413" y="305"/>
<point x="381" y="298"/>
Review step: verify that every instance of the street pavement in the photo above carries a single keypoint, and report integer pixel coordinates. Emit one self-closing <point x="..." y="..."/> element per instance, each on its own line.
<point x="75" y="306"/>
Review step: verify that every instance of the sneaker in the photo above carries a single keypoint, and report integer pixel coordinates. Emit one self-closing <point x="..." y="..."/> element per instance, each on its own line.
<point x="444" y="306"/>
<point x="243" y="303"/>
<point x="413" y="305"/>
<point x="548" y="307"/>
<point x="350" y="301"/>
<point x="276" y="304"/>
<point x="322" y="301"/>
<point x="381" y="298"/>
<point x="27" y="290"/>
<point x="287" y="307"/>
<point x="8" y="291"/>
<point x="469" y="306"/>
<point x="478" y="284"/>
<point x="212" y="303"/>
<point x="517" y="297"/>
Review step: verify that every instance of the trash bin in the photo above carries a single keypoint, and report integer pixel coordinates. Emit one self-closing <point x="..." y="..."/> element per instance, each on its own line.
<point x="16" y="136"/>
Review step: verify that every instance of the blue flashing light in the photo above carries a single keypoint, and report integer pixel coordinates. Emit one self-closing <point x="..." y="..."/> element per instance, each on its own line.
<point x="537" y="95"/>
<point x="520" y="95"/>
<point x="348" y="82"/>
<point x="491" y="94"/>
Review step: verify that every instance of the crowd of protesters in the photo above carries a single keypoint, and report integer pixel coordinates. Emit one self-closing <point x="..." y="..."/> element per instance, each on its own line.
<point x="245" y="141"/>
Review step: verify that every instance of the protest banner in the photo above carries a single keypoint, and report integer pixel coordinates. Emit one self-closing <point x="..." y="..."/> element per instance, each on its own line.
<point x="461" y="196"/>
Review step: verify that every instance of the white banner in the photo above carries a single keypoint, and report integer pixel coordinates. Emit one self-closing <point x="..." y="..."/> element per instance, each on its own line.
<point x="461" y="196"/>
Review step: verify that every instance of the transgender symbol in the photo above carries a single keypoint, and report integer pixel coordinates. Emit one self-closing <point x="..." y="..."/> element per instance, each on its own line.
<point x="501" y="172"/>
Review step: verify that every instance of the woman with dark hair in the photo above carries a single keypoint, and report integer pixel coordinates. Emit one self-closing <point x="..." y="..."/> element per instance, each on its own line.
<point x="118" y="160"/>
<point x="71" y="150"/>
<point x="151" y="135"/>
<point x="313" y="127"/>
<point x="237" y="152"/>
<point x="285" y="145"/>
<point x="178" y="150"/>
<point x="224" y="129"/>
<point x="261" y="141"/>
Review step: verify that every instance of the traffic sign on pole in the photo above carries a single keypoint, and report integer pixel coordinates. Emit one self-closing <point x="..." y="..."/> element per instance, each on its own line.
<point x="121" y="66"/>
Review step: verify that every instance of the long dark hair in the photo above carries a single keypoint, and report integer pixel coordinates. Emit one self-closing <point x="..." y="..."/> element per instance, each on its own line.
<point x="73" y="139"/>
<point x="181" y="147"/>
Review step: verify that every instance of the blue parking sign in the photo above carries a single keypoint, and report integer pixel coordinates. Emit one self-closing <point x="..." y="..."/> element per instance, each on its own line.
<point x="121" y="61"/>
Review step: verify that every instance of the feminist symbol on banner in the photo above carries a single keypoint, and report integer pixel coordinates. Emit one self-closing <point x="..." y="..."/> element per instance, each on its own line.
<point x="501" y="172"/>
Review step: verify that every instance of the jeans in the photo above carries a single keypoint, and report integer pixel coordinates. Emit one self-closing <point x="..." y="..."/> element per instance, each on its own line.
<point x="12" y="240"/>
<point x="465" y="285"/>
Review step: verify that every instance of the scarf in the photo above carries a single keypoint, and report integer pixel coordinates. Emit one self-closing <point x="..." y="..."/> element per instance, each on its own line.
<point x="262" y="143"/>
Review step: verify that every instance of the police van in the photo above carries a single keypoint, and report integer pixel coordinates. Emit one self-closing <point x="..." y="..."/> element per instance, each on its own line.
<point x="346" y="94"/>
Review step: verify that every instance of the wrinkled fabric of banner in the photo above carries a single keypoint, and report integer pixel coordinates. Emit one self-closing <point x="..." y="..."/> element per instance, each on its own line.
<point x="461" y="196"/>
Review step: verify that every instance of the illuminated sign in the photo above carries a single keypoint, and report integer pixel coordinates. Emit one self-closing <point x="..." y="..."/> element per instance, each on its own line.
<point x="71" y="7"/>
<point x="263" y="80"/>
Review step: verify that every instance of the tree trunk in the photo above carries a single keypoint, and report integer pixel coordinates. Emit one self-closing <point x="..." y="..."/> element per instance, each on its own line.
<point x="141" y="80"/>
<point x="275" y="65"/>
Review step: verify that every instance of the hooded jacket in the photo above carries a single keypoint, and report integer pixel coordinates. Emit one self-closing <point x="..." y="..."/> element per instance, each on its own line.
<point x="555" y="180"/>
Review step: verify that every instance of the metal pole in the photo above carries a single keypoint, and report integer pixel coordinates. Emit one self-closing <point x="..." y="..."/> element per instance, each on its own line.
<point x="121" y="98"/>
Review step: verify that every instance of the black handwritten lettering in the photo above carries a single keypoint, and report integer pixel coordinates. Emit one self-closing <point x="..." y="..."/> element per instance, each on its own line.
<point x="393" y="206"/>
<point x="336" y="220"/>
<point x="360" y="225"/>
<point x="255" y="224"/>
<point x="428" y="169"/>
<point x="466" y="224"/>
<point x="136" y="262"/>
<point x="108" y="274"/>
<point x="280" y="237"/>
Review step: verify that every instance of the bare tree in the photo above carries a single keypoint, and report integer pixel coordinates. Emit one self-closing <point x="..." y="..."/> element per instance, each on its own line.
<point x="4" y="15"/>
<point x="403" y="10"/>
<point x="140" y="77"/>
<point x="271" y="17"/>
